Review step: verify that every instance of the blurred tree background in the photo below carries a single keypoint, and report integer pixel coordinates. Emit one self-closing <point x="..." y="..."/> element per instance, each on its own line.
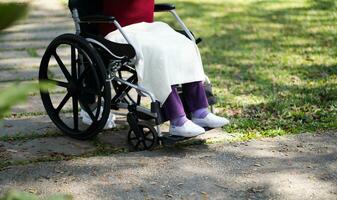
<point x="10" y="12"/>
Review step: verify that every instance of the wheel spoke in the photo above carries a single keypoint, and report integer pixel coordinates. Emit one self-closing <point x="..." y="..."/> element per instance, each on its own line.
<point x="98" y="110"/>
<point x="82" y="75"/>
<point x="63" y="102"/>
<point x="59" y="83"/>
<point x="137" y="145"/>
<point x="143" y="138"/>
<point x="144" y="144"/>
<point x="75" y="112"/>
<point x="73" y="63"/>
<point x="88" y="110"/>
<point x="62" y="66"/>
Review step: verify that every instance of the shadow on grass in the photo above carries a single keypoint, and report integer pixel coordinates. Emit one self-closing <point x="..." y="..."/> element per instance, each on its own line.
<point x="323" y="4"/>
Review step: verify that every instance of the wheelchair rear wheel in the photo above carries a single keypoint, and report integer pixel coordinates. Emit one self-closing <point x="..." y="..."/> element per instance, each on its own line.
<point x="78" y="72"/>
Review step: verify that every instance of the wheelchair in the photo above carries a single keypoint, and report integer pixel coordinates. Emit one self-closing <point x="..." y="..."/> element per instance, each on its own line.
<point x="88" y="65"/>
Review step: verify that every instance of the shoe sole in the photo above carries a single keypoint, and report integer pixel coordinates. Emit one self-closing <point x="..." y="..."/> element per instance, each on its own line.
<point x="212" y="127"/>
<point x="191" y="136"/>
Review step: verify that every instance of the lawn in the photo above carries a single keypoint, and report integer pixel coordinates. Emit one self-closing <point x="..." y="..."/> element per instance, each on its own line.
<point x="273" y="63"/>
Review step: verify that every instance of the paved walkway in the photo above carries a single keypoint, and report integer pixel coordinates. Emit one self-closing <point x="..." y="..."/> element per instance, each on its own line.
<point x="294" y="167"/>
<point x="36" y="157"/>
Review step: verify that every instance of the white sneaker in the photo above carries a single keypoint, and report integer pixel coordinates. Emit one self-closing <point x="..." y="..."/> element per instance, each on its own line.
<point x="108" y="125"/>
<point x="189" y="129"/>
<point x="211" y="121"/>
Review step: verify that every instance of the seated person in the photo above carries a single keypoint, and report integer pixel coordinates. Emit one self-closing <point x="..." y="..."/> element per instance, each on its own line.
<point x="165" y="58"/>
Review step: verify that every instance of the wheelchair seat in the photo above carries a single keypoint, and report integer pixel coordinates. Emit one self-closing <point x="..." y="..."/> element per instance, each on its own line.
<point x="118" y="49"/>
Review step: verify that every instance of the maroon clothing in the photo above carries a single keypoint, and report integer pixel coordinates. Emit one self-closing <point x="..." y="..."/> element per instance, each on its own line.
<point x="127" y="12"/>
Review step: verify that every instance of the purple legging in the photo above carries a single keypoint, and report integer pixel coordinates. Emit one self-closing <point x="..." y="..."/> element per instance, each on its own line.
<point x="194" y="96"/>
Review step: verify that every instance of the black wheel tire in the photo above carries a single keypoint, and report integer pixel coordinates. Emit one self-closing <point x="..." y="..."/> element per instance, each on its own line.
<point x="95" y="69"/>
<point x="149" y="141"/>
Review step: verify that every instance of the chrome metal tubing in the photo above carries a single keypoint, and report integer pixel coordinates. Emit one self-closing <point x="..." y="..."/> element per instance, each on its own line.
<point x="104" y="47"/>
<point x="147" y="93"/>
<point x="139" y="109"/>
<point x="182" y="24"/>
<point x="119" y="27"/>
<point x="77" y="21"/>
<point x="160" y="134"/>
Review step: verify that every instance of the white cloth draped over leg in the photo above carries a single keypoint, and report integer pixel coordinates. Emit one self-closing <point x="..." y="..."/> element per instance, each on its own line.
<point x="164" y="57"/>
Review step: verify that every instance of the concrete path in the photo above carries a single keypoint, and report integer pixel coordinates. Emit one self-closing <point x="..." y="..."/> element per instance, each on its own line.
<point x="36" y="157"/>
<point x="294" y="167"/>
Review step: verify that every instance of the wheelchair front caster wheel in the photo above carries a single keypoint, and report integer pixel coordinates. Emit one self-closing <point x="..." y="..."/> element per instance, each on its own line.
<point x="145" y="139"/>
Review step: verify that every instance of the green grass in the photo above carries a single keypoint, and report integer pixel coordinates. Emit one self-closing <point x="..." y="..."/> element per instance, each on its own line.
<point x="273" y="63"/>
<point x="32" y="52"/>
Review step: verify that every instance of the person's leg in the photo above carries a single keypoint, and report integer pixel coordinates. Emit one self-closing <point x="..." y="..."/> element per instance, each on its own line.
<point x="196" y="101"/>
<point x="173" y="110"/>
<point x="195" y="97"/>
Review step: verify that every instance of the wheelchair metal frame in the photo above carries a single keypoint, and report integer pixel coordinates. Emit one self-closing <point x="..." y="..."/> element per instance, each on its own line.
<point x="112" y="77"/>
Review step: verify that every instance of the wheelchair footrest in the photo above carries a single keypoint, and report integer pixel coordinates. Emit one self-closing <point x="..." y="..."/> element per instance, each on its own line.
<point x="208" y="128"/>
<point x="171" y="139"/>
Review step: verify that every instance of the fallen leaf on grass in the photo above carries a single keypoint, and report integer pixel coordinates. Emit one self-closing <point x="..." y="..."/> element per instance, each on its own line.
<point x="60" y="155"/>
<point x="205" y="195"/>
<point x="220" y="186"/>
<point x="168" y="195"/>
<point x="256" y="190"/>
<point x="12" y="150"/>
<point x="32" y="190"/>
<point x="59" y="171"/>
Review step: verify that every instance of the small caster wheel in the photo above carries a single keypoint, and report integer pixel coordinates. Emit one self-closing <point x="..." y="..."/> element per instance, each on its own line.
<point x="146" y="139"/>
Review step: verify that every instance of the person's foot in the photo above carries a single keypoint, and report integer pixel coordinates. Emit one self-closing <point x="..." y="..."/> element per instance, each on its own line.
<point x="211" y="121"/>
<point x="189" y="129"/>
<point x="88" y="121"/>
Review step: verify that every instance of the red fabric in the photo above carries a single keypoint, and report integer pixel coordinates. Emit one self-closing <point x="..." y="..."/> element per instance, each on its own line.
<point x="127" y="12"/>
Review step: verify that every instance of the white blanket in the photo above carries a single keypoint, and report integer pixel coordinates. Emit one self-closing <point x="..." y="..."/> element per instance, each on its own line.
<point x="164" y="57"/>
